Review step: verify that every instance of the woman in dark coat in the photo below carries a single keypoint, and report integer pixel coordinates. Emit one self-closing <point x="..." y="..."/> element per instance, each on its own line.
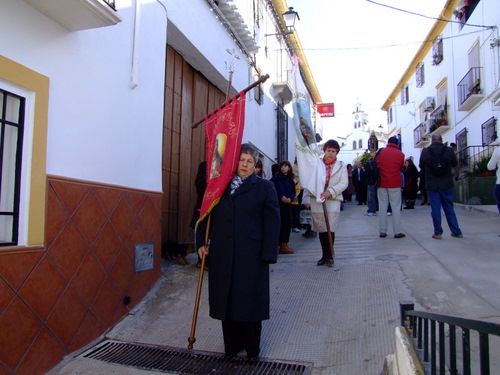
<point x="410" y="189"/>
<point x="243" y="236"/>
<point x="285" y="188"/>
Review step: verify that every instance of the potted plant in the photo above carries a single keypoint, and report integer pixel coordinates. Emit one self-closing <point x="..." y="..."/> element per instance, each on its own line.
<point x="458" y="14"/>
<point x="480" y="168"/>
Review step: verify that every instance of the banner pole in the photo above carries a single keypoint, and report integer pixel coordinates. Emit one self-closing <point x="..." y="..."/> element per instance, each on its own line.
<point x="192" y="338"/>
<point x="262" y="79"/>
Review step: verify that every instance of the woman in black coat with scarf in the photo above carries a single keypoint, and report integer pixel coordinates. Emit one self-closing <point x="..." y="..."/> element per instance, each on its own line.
<point x="243" y="236"/>
<point x="285" y="187"/>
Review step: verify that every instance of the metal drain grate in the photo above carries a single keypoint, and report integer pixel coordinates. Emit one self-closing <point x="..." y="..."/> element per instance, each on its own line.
<point x="188" y="362"/>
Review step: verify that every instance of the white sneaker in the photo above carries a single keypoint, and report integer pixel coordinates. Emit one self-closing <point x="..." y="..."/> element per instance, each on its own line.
<point x="295" y="230"/>
<point x="389" y="214"/>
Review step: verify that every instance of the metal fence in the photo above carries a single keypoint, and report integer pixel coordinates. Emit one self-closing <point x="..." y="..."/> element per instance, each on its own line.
<point x="473" y="160"/>
<point x="435" y="338"/>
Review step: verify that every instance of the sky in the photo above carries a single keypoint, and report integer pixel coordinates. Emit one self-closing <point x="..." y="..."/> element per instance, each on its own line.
<point x="358" y="50"/>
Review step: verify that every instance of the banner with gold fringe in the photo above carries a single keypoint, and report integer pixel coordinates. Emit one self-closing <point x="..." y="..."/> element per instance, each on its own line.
<point x="223" y="131"/>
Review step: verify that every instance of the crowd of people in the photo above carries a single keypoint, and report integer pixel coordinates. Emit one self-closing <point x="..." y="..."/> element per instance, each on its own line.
<point x="394" y="182"/>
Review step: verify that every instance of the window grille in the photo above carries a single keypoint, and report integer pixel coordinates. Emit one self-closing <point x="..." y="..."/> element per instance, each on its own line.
<point x="437" y="51"/>
<point x="489" y="131"/>
<point x="420" y="75"/>
<point x="11" y="146"/>
<point x="258" y="94"/>
<point x="282" y="134"/>
<point x="389" y="115"/>
<point x="360" y="143"/>
<point x="404" y="95"/>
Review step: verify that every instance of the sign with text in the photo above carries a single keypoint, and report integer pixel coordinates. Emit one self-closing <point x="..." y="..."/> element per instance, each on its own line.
<point x="326" y="110"/>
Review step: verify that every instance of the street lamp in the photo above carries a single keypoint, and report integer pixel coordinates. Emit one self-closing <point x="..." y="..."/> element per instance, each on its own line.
<point x="290" y="17"/>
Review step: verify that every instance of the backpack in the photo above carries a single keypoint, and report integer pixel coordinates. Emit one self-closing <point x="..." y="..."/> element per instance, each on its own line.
<point x="439" y="164"/>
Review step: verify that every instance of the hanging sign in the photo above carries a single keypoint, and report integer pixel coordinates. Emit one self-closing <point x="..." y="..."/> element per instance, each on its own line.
<point x="326" y="110"/>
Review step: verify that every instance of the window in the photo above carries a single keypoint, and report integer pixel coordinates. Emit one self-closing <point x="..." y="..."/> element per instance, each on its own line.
<point x="404" y="95"/>
<point x="258" y="94"/>
<point x="32" y="91"/>
<point x="437" y="51"/>
<point x="389" y="115"/>
<point x="282" y="133"/>
<point x="354" y="145"/>
<point x="11" y="147"/>
<point x="463" y="152"/>
<point x="420" y="75"/>
<point x="360" y="143"/>
<point x="489" y="131"/>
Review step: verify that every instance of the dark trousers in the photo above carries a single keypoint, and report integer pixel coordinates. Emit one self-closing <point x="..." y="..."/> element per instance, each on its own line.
<point x="242" y="335"/>
<point x="286" y="222"/>
<point x="325" y="244"/>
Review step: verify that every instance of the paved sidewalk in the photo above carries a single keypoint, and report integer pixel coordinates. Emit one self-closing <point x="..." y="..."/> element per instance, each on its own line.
<point x="341" y="319"/>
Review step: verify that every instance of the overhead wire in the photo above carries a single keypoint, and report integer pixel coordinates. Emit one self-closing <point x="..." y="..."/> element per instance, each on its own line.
<point x="388" y="45"/>
<point x="429" y="17"/>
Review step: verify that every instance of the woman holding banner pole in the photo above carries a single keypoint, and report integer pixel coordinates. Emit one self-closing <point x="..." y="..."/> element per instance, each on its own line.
<point x="242" y="243"/>
<point x="326" y="213"/>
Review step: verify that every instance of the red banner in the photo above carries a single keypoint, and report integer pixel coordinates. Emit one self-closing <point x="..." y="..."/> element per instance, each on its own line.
<point x="223" y="132"/>
<point x="326" y="110"/>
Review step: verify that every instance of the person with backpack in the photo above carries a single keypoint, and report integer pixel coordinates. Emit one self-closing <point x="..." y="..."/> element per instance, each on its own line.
<point x="437" y="162"/>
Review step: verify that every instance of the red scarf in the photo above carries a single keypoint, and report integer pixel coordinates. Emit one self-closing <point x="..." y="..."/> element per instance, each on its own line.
<point x="329" y="166"/>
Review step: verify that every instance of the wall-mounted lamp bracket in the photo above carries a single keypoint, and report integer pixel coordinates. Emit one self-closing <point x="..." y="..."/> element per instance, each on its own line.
<point x="289" y="32"/>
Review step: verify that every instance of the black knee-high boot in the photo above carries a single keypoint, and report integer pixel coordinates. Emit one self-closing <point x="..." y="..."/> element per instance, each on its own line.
<point x="325" y="247"/>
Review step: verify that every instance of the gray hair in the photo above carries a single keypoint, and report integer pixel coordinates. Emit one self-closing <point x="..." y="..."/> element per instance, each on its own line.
<point x="247" y="148"/>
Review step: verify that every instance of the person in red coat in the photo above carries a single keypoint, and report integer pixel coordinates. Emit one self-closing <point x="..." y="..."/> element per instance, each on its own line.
<point x="390" y="162"/>
<point x="244" y="231"/>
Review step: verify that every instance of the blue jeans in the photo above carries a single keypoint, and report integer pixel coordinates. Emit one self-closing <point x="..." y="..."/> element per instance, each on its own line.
<point x="372" y="199"/>
<point x="445" y="199"/>
<point x="497" y="196"/>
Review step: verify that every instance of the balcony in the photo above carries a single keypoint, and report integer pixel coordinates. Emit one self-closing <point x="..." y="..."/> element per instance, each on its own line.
<point x="78" y="14"/>
<point x="439" y="119"/>
<point x="419" y="135"/>
<point x="469" y="90"/>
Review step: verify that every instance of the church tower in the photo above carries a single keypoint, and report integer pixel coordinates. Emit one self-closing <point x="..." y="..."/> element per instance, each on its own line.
<point x="360" y="131"/>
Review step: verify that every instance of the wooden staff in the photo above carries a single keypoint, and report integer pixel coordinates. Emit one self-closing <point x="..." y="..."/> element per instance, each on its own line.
<point x="262" y="79"/>
<point x="192" y="338"/>
<point x="327" y="222"/>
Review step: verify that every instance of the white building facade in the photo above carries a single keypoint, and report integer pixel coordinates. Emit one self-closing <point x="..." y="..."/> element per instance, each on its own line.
<point x="452" y="85"/>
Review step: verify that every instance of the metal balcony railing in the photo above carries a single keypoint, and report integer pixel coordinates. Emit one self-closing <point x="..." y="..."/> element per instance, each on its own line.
<point x="435" y="338"/>
<point x="469" y="85"/>
<point x="472" y="159"/>
<point x="419" y="135"/>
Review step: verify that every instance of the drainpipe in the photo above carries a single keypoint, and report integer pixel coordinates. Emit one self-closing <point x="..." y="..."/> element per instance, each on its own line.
<point x="134" y="81"/>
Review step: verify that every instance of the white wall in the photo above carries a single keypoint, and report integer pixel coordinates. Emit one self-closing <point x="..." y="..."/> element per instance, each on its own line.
<point x="100" y="129"/>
